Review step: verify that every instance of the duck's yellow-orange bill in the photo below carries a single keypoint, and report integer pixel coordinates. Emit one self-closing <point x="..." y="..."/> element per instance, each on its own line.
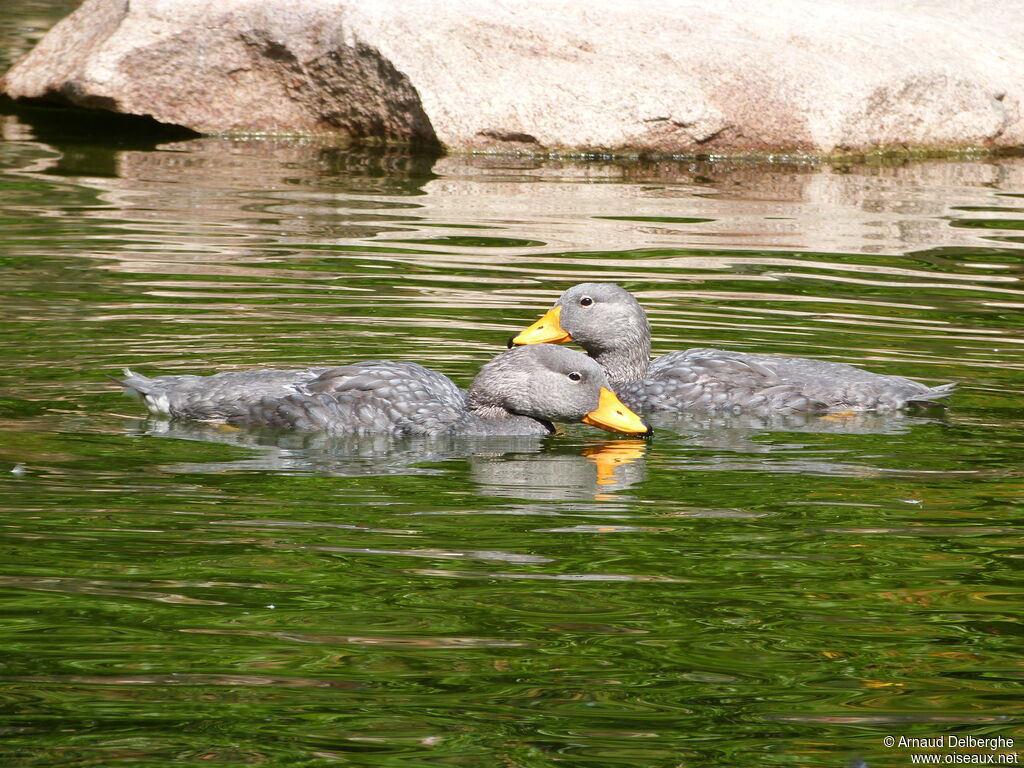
<point x="613" y="415"/>
<point x="544" y="331"/>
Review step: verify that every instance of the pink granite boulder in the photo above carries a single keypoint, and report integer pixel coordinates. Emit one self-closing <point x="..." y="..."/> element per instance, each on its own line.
<point x="607" y="76"/>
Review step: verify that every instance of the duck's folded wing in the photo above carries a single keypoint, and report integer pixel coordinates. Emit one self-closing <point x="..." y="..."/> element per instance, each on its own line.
<point x="710" y="380"/>
<point x="378" y="396"/>
<point x="839" y="386"/>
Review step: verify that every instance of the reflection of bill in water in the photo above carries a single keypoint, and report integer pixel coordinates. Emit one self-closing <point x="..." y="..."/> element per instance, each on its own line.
<point x="609" y="456"/>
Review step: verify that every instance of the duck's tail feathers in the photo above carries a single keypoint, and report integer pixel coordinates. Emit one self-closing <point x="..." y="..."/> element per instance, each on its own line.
<point x="135" y="382"/>
<point x="145" y="389"/>
<point x="928" y="398"/>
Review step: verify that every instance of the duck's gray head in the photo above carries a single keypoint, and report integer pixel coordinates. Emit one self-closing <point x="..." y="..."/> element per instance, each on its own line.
<point x="603" y="318"/>
<point x="550" y="383"/>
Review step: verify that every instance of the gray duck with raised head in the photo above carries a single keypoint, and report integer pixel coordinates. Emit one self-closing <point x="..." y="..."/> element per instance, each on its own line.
<point x="609" y="323"/>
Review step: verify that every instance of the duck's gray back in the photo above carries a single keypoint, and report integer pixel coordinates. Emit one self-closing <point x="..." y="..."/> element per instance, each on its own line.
<point x="379" y="396"/>
<point x="375" y="397"/>
<point x="721" y="381"/>
<point x="841" y="386"/>
<point x="705" y="381"/>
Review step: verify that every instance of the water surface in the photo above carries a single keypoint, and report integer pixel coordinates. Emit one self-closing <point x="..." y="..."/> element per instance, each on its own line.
<point x="729" y="593"/>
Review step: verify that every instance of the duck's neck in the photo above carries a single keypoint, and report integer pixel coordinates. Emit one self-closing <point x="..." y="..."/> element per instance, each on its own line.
<point x="624" y="351"/>
<point x="625" y="364"/>
<point x="489" y="416"/>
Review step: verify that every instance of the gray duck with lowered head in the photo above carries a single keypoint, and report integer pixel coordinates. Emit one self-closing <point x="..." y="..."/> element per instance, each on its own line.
<point x="520" y="392"/>
<point x="609" y="323"/>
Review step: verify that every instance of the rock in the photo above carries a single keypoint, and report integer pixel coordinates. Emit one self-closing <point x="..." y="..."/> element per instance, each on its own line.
<point x="603" y="76"/>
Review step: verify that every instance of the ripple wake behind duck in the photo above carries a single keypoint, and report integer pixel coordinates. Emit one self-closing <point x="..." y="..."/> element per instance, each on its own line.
<point x="609" y="323"/>
<point x="520" y="392"/>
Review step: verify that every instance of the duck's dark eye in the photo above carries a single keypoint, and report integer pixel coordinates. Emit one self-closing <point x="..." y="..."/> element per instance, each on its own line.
<point x="586" y="301"/>
<point x="574" y="376"/>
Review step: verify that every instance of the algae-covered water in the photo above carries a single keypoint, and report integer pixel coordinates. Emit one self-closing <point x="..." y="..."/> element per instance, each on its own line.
<point x="726" y="594"/>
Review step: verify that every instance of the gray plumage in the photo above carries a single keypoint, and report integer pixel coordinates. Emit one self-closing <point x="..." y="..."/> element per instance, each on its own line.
<point x="609" y="323"/>
<point x="520" y="392"/>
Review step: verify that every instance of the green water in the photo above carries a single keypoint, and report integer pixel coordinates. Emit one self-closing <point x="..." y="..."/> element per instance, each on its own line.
<point x="728" y="594"/>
